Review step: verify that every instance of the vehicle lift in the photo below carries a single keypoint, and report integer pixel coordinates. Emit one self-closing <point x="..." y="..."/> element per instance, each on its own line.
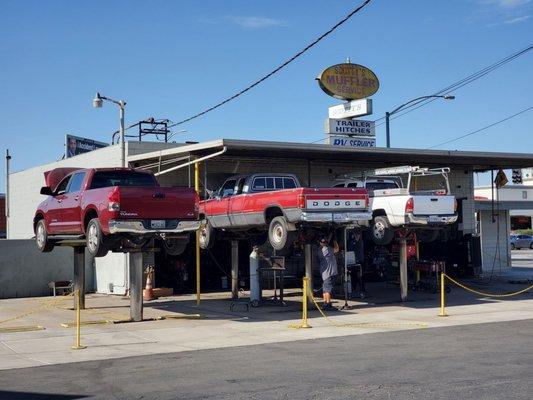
<point x="137" y="261"/>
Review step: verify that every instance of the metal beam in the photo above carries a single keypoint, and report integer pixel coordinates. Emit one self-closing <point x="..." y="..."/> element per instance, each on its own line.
<point x="79" y="275"/>
<point x="136" y="265"/>
<point x="234" y="269"/>
<point x="403" y="269"/>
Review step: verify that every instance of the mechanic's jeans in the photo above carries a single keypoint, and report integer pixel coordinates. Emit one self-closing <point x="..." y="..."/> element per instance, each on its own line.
<point x="356" y="276"/>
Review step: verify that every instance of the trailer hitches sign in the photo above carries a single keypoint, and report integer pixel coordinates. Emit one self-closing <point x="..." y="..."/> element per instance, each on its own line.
<point x="348" y="81"/>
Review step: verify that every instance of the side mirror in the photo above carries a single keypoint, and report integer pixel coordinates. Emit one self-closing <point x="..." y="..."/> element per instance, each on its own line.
<point x="47" y="191"/>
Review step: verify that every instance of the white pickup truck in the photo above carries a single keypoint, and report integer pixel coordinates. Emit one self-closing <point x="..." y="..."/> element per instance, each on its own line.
<point x="423" y="204"/>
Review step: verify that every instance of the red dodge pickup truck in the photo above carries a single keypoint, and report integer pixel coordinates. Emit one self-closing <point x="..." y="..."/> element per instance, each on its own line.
<point x="254" y="204"/>
<point x="113" y="209"/>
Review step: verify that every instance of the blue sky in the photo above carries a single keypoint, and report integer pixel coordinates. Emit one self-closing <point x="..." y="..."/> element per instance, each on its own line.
<point x="171" y="59"/>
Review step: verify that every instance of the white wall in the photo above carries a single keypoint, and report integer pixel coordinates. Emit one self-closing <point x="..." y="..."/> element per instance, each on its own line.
<point x="507" y="193"/>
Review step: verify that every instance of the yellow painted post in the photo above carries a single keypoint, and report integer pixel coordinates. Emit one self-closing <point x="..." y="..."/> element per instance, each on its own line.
<point x="442" y="299"/>
<point x="304" y="323"/>
<point x="197" y="189"/>
<point x="78" y="345"/>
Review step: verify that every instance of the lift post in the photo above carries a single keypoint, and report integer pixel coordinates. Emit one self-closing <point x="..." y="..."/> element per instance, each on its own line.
<point x="79" y="276"/>
<point x="234" y="269"/>
<point x="308" y="254"/>
<point x="136" y="264"/>
<point x="403" y="269"/>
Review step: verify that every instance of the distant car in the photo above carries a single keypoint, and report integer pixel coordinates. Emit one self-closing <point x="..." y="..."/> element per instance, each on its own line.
<point x="521" y="242"/>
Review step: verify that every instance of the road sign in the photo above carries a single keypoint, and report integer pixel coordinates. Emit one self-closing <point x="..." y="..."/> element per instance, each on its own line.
<point x="356" y="127"/>
<point x="351" y="142"/>
<point x="351" y="109"/>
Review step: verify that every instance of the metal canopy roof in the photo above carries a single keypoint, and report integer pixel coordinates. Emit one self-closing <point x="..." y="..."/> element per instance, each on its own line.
<point x="478" y="161"/>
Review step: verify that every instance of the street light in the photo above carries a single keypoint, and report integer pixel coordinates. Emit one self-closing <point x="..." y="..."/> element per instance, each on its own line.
<point x="388" y="114"/>
<point x="97" y="103"/>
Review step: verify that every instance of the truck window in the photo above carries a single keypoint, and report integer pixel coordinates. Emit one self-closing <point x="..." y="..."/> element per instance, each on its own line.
<point x="289" y="183"/>
<point x="76" y="182"/>
<point x="278" y="183"/>
<point x="270" y="183"/>
<point x="62" y="187"/>
<point x="381" y="185"/>
<point x="103" y="179"/>
<point x="259" y="184"/>
<point x="227" y="188"/>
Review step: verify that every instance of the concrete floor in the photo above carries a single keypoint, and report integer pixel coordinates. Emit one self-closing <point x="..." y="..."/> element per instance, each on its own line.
<point x="221" y="328"/>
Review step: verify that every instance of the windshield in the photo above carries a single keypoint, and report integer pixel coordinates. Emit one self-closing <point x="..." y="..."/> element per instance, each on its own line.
<point x="103" y="179"/>
<point x="381" y="185"/>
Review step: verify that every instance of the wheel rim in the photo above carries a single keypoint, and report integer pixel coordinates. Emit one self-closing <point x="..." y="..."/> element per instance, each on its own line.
<point x="93" y="238"/>
<point x="203" y="236"/>
<point x="379" y="230"/>
<point x="40" y="235"/>
<point x="278" y="233"/>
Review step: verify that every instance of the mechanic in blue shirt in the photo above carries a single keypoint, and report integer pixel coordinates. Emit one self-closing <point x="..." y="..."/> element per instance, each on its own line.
<point x="328" y="269"/>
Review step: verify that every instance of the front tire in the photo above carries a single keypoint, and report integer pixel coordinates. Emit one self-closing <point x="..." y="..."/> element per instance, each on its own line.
<point x="381" y="231"/>
<point x="175" y="247"/>
<point x="279" y="236"/>
<point x="94" y="237"/>
<point x="44" y="244"/>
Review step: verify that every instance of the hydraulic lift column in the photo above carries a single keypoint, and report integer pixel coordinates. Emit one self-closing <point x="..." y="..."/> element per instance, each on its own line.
<point x="136" y="264"/>
<point x="403" y="269"/>
<point x="79" y="275"/>
<point x="234" y="269"/>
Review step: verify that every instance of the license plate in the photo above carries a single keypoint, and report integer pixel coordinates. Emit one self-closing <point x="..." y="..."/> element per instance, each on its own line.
<point x="434" y="218"/>
<point x="158" y="224"/>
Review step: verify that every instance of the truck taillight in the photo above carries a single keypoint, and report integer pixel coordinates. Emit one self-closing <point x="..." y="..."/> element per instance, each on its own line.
<point x="409" y="206"/>
<point x="113" y="200"/>
<point x="454" y="205"/>
<point x="301" y="201"/>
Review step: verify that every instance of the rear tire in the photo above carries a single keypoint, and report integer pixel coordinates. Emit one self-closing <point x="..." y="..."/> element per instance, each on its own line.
<point x="94" y="237"/>
<point x="381" y="231"/>
<point x="531" y="246"/>
<point x="427" y="235"/>
<point x="207" y="236"/>
<point x="279" y="236"/>
<point x="44" y="244"/>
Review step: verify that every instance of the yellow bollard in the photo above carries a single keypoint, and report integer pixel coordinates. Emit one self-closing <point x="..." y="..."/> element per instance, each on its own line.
<point x="304" y="323"/>
<point x="78" y="345"/>
<point x="442" y="299"/>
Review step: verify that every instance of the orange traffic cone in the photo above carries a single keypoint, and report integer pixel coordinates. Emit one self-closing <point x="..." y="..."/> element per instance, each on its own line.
<point x="148" y="292"/>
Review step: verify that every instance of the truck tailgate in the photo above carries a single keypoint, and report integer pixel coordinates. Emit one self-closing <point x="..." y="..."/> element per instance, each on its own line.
<point x="433" y="205"/>
<point x="157" y="203"/>
<point x="334" y="199"/>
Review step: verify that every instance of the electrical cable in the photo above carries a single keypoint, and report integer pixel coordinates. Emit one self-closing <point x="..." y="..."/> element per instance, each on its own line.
<point x="482" y="129"/>
<point x="283" y="65"/>
<point x="462" y="82"/>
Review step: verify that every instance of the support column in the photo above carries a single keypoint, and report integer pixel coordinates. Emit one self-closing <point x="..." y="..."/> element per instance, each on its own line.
<point x="309" y="256"/>
<point x="403" y="269"/>
<point x="136" y="289"/>
<point x="79" y="275"/>
<point x="234" y="269"/>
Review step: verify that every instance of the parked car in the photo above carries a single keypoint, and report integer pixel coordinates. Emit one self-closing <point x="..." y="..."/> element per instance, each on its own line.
<point x="422" y="205"/>
<point x="113" y="209"/>
<point x="521" y="242"/>
<point x="275" y="206"/>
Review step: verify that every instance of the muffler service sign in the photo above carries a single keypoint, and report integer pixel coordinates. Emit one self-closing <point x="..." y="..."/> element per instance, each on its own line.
<point x="348" y="81"/>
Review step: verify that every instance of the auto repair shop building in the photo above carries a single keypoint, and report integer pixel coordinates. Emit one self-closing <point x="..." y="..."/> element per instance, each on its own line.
<point x="314" y="165"/>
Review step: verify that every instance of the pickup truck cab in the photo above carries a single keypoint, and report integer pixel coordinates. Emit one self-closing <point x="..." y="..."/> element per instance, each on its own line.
<point x="423" y="205"/>
<point x="262" y="204"/>
<point x="113" y="209"/>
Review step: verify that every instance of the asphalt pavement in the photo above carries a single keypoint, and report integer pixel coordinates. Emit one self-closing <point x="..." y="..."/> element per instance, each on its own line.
<point x="482" y="361"/>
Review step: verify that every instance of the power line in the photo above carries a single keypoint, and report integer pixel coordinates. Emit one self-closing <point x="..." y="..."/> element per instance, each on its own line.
<point x="462" y="82"/>
<point x="482" y="129"/>
<point x="287" y="62"/>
